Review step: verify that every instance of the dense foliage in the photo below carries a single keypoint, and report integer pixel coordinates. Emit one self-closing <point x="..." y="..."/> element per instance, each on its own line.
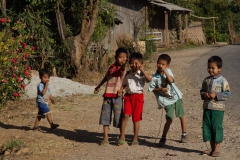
<point x="227" y="11"/>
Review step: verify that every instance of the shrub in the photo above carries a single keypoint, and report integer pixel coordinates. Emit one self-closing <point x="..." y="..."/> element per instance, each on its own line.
<point x="15" y="73"/>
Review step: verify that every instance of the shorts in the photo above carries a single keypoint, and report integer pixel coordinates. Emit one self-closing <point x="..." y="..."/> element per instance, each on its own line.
<point x="177" y="106"/>
<point x="111" y="105"/>
<point x="42" y="109"/>
<point x="213" y="125"/>
<point x="133" y="106"/>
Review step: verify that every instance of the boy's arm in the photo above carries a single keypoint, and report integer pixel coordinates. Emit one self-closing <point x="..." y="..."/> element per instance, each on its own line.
<point x="45" y="88"/>
<point x="51" y="99"/>
<point x="147" y="77"/>
<point x="203" y="91"/>
<point x="221" y="96"/>
<point x="169" y="76"/>
<point x="100" y="84"/>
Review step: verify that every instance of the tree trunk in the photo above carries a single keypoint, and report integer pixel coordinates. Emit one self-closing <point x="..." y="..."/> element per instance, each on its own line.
<point x="3" y="7"/>
<point x="80" y="42"/>
<point x="60" y="22"/>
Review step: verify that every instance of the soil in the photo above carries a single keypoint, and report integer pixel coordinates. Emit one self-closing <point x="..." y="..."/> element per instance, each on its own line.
<point x="79" y="133"/>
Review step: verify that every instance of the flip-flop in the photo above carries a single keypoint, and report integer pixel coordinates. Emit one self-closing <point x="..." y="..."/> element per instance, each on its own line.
<point x="122" y="143"/>
<point x="215" y="154"/>
<point x="208" y="152"/>
<point x="135" y="143"/>
<point x="104" y="143"/>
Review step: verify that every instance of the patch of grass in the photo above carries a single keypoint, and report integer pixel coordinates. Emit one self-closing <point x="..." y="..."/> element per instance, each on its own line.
<point x="13" y="144"/>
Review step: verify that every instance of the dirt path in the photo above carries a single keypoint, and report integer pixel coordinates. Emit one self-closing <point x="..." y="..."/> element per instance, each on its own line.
<point x="79" y="132"/>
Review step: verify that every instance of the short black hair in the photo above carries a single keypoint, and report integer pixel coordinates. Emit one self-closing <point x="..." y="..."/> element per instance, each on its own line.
<point x="165" y="57"/>
<point x="136" y="55"/>
<point x="120" y="50"/>
<point x="217" y="60"/>
<point x="44" y="71"/>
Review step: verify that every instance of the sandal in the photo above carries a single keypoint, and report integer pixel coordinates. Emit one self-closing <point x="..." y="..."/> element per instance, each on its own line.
<point x="207" y="152"/>
<point x="104" y="143"/>
<point x="215" y="154"/>
<point x="135" y="143"/>
<point x="122" y="143"/>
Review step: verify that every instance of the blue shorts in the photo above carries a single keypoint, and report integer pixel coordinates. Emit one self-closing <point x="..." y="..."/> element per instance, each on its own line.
<point x="42" y="109"/>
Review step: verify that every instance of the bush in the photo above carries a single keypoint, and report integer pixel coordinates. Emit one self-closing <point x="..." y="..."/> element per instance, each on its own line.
<point x="150" y="48"/>
<point x="15" y="73"/>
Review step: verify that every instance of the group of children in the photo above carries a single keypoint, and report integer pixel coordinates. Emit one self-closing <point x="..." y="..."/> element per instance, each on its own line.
<point x="215" y="89"/>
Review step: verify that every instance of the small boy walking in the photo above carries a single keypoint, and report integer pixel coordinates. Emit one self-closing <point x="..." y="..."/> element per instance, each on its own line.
<point x="168" y="96"/>
<point x="215" y="90"/>
<point x="111" y="101"/>
<point x="133" y="84"/>
<point x="43" y="97"/>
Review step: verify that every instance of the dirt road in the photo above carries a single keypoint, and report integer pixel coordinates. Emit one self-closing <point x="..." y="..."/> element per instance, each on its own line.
<point x="79" y="133"/>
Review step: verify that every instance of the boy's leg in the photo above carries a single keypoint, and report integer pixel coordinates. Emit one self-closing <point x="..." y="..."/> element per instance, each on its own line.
<point x="212" y="143"/>
<point x="49" y="118"/>
<point x="183" y="124"/>
<point x="136" y="131"/>
<point x="166" y="127"/>
<point x="105" y="117"/>
<point x="38" y="119"/>
<point x="105" y="133"/>
<point x="123" y="127"/>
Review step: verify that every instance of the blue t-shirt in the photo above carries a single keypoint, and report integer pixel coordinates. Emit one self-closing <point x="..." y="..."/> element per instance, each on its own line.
<point x="161" y="81"/>
<point x="43" y="98"/>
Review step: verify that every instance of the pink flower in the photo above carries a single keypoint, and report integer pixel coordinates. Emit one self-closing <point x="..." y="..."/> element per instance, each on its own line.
<point x="28" y="68"/>
<point x="33" y="48"/>
<point x="4" y="81"/>
<point x="24" y="45"/>
<point x="26" y="73"/>
<point x="19" y="79"/>
<point x="14" y="75"/>
<point x="20" y="95"/>
<point x="26" y="55"/>
<point x="15" y="94"/>
<point x="23" y="58"/>
<point x="14" y="60"/>
<point x="3" y="20"/>
<point x="23" y="85"/>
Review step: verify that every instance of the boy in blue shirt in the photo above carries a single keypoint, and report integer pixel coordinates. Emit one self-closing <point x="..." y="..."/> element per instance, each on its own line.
<point x="168" y="96"/>
<point x="215" y="90"/>
<point x="43" y="97"/>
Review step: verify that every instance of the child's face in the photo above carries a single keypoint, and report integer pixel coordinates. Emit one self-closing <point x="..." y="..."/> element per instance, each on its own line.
<point x="45" y="78"/>
<point x="135" y="65"/>
<point x="213" y="69"/>
<point x="162" y="65"/>
<point x="121" y="59"/>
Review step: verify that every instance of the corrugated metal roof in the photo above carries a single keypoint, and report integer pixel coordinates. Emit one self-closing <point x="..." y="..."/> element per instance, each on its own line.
<point x="169" y="6"/>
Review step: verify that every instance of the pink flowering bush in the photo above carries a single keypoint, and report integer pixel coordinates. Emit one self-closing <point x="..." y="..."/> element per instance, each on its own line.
<point x="15" y="72"/>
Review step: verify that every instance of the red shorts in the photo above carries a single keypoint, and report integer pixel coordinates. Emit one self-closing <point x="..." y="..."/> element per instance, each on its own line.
<point x="133" y="106"/>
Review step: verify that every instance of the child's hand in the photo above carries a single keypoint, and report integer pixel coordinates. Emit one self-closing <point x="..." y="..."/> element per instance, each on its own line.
<point x="53" y="101"/>
<point x="119" y="93"/>
<point x="212" y="95"/>
<point x="206" y="95"/>
<point x="96" y="90"/>
<point x="140" y="66"/>
<point x="164" y="89"/>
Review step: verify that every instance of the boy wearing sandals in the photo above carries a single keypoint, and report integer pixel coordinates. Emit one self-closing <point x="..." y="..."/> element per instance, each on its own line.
<point x="215" y="90"/>
<point x="43" y="97"/>
<point x="168" y="96"/>
<point x="133" y="84"/>
<point x="111" y="101"/>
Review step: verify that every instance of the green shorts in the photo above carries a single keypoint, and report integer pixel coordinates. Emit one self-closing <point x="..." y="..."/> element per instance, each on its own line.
<point x="213" y="125"/>
<point x="177" y="106"/>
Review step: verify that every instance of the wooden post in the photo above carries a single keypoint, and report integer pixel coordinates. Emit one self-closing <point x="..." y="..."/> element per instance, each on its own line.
<point x="203" y="26"/>
<point x="180" y="28"/>
<point x="186" y="27"/>
<point x="166" y="37"/>
<point x="214" y="36"/>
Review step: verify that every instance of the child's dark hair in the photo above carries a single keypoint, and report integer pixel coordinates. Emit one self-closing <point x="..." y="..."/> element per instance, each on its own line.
<point x="121" y="50"/>
<point x="44" y="71"/>
<point x="165" y="57"/>
<point x="217" y="60"/>
<point x="136" y="55"/>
